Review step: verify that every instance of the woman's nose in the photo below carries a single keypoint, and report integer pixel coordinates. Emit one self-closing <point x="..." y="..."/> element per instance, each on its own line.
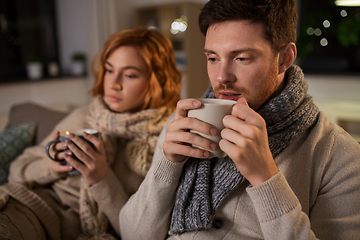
<point x="116" y="83"/>
<point x="225" y="74"/>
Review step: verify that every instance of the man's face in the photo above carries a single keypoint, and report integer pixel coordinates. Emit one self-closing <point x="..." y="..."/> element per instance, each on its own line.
<point x="240" y="62"/>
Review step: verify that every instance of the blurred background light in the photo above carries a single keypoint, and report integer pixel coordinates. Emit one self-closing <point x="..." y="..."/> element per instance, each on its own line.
<point x="179" y="25"/>
<point x="343" y="13"/>
<point x="326" y="23"/>
<point x="348" y="3"/>
<point x="310" y="31"/>
<point x="324" y="42"/>
<point x="318" y="32"/>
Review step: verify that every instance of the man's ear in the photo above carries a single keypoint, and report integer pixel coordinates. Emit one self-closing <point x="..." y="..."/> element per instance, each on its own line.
<point x="287" y="56"/>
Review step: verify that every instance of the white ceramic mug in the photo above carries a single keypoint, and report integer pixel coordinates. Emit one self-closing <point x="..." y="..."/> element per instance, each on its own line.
<point x="212" y="111"/>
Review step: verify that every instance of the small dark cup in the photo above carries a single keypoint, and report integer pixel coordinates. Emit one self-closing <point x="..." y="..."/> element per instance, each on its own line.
<point x="65" y="136"/>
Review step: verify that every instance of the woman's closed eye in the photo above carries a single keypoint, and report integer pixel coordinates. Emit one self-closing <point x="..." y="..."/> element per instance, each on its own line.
<point x="108" y="70"/>
<point x="130" y="75"/>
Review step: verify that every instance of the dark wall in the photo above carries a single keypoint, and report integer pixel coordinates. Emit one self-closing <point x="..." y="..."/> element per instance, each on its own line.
<point x="27" y="31"/>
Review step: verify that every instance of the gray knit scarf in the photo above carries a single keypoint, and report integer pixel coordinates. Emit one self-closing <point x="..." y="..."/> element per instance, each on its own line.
<point x="205" y="183"/>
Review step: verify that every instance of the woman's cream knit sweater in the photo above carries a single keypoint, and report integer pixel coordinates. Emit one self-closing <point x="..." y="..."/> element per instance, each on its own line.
<point x="62" y="194"/>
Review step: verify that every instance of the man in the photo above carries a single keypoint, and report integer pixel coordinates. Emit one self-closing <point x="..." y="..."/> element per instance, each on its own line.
<point x="289" y="173"/>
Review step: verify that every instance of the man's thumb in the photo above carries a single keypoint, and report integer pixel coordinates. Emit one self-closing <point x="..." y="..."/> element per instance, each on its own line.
<point x="242" y="101"/>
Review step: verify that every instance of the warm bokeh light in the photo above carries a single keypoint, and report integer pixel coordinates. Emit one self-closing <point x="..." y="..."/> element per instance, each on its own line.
<point x="324" y="42"/>
<point x="318" y="32"/>
<point x="179" y="25"/>
<point x="343" y="13"/>
<point x="326" y="23"/>
<point x="310" y="31"/>
<point x="348" y="3"/>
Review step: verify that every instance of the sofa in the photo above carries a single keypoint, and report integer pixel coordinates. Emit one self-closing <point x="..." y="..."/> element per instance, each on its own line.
<point x="29" y="123"/>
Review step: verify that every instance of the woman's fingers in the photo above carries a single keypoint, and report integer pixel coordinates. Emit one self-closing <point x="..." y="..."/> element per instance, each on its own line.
<point x="81" y="148"/>
<point x="93" y="163"/>
<point x="60" y="168"/>
<point x="56" y="148"/>
<point x="96" y="141"/>
<point x="55" y="135"/>
<point x="60" y="146"/>
<point x="75" y="163"/>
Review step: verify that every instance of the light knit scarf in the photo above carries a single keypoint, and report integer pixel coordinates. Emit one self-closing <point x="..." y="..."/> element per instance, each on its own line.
<point x="205" y="183"/>
<point x="141" y="131"/>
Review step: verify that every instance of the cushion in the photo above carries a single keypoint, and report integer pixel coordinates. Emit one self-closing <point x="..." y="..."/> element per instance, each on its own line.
<point x="12" y="143"/>
<point x="45" y="118"/>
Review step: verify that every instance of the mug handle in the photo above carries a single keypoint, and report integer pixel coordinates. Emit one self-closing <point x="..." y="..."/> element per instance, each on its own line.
<point x="48" y="147"/>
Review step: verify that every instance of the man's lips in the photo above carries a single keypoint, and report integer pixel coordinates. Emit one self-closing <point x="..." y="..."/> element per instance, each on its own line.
<point x="229" y="95"/>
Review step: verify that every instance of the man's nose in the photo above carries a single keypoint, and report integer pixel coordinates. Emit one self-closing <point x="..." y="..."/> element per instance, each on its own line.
<point x="226" y="74"/>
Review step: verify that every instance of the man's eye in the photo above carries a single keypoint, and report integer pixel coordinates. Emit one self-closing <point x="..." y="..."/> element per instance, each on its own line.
<point x="242" y="59"/>
<point x="211" y="59"/>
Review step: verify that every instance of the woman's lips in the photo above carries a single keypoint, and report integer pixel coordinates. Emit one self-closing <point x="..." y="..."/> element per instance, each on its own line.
<point x="114" y="99"/>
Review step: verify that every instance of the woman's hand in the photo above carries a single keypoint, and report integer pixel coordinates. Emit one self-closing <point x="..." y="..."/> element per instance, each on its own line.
<point x="94" y="166"/>
<point x="57" y="152"/>
<point x="178" y="140"/>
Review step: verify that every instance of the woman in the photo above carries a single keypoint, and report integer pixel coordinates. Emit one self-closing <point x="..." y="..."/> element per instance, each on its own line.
<point x="137" y="86"/>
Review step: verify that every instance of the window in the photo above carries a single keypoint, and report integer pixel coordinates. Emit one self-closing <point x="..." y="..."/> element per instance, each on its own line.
<point x="27" y="31"/>
<point x="328" y="38"/>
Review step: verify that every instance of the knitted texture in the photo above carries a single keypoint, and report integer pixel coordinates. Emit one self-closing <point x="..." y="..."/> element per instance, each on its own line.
<point x="203" y="185"/>
<point x="141" y="130"/>
<point x="47" y="217"/>
<point x="206" y="182"/>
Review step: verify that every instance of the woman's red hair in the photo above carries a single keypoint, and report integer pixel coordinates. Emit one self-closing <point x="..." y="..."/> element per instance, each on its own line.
<point x="158" y="53"/>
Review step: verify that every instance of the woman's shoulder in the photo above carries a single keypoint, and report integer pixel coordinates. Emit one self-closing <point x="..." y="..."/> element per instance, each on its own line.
<point x="75" y="119"/>
<point x="80" y="110"/>
<point x="77" y="113"/>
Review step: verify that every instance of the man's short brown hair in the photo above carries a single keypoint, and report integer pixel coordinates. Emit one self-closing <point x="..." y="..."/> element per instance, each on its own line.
<point x="279" y="17"/>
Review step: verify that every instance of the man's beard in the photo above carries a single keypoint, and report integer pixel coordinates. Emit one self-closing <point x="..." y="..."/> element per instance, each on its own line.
<point x="264" y="93"/>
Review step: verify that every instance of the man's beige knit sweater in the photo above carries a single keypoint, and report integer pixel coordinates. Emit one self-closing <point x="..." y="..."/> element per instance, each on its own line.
<point x="316" y="195"/>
